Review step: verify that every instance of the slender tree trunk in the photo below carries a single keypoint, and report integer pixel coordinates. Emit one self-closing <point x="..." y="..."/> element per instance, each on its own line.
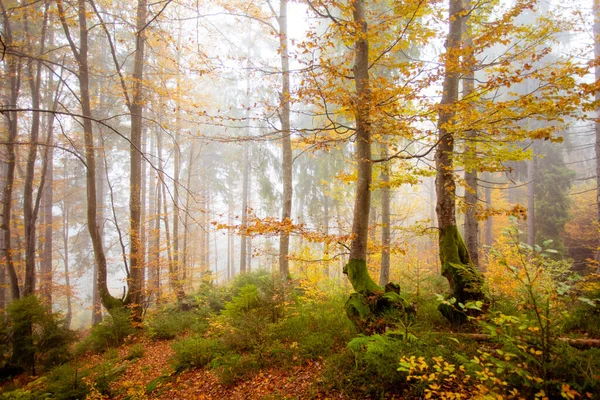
<point x="465" y="282"/>
<point x="154" y="237"/>
<point x="186" y="222"/>
<point x="134" y="296"/>
<point x="81" y="55"/>
<point x="13" y="72"/>
<point x="489" y="234"/>
<point x="531" y="200"/>
<point x="47" y="260"/>
<point x="65" y="235"/>
<point x="245" y="179"/>
<point x="286" y="141"/>
<point x="597" y="122"/>
<point x="143" y="224"/>
<point x="230" y="241"/>
<point x="30" y="211"/>
<point x="48" y="200"/>
<point x="471" y="189"/>
<point x="384" y="273"/>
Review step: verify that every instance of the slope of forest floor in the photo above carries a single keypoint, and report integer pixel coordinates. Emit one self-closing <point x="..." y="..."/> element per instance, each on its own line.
<point x="259" y="338"/>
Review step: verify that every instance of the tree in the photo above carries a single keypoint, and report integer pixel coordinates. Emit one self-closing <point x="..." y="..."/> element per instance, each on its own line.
<point x="286" y="140"/>
<point x="596" y="9"/>
<point x="81" y="56"/>
<point x="465" y="281"/>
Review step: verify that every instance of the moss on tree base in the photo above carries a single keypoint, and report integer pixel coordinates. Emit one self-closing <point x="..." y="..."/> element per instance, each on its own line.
<point x="466" y="283"/>
<point x="372" y="308"/>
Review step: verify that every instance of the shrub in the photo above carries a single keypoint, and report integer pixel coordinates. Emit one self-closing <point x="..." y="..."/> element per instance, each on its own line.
<point x="66" y="383"/>
<point x="32" y="336"/>
<point x="105" y="373"/>
<point x="232" y="367"/>
<point x="170" y="323"/>
<point x="136" y="351"/>
<point x="195" y="352"/>
<point x="111" y="332"/>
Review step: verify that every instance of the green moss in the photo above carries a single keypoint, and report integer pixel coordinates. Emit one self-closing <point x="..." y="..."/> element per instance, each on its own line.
<point x="358" y="275"/>
<point x="466" y="283"/>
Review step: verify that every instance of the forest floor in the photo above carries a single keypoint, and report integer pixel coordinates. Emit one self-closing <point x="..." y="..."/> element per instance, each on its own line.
<point x="297" y="382"/>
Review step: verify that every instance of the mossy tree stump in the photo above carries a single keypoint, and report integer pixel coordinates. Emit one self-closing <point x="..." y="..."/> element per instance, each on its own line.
<point x="372" y="308"/>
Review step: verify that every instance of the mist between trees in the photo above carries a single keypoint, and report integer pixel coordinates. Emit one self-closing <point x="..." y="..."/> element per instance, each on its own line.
<point x="149" y="146"/>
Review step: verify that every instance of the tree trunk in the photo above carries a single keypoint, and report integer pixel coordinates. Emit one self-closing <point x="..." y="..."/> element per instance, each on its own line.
<point x="464" y="279"/>
<point x="134" y="298"/>
<point x="597" y="122"/>
<point x="372" y="308"/>
<point x="245" y="179"/>
<point x="186" y="222"/>
<point x="489" y="221"/>
<point x="531" y="200"/>
<point x="30" y="211"/>
<point x="13" y="72"/>
<point x="384" y="272"/>
<point x="471" y="189"/>
<point x="81" y="55"/>
<point x="65" y="235"/>
<point x="286" y="141"/>
<point x="47" y="259"/>
<point x="154" y="237"/>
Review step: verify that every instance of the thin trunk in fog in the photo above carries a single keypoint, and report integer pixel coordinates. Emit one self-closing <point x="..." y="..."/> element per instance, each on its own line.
<point x="488" y="222"/>
<point x="384" y="273"/>
<point x="230" y="241"/>
<point x="597" y="122"/>
<point x="174" y="281"/>
<point x="48" y="201"/>
<point x="65" y="237"/>
<point x="154" y="236"/>
<point x="179" y="267"/>
<point x="134" y="296"/>
<point x="286" y="141"/>
<point x="143" y="219"/>
<point x="30" y="211"/>
<point x="531" y="200"/>
<point x="186" y="222"/>
<point x="245" y="179"/>
<point x="471" y="189"/>
<point x="81" y="55"/>
<point x="48" y="195"/>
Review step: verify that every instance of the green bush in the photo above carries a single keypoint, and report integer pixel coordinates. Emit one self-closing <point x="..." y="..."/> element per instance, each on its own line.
<point x="195" y="351"/>
<point x="136" y="351"/>
<point x="111" y="332"/>
<point x="169" y="323"/>
<point x="232" y="367"/>
<point x="65" y="383"/>
<point x="31" y="336"/>
<point x="105" y="373"/>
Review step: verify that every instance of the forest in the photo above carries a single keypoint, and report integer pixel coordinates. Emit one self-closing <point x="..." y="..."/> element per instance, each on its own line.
<point x="340" y="200"/>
